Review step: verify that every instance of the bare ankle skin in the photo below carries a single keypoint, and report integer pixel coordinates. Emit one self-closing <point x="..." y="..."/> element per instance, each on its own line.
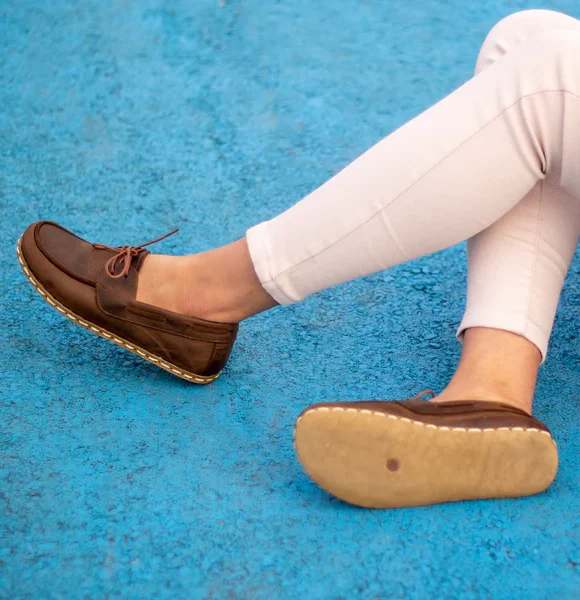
<point x="217" y="285"/>
<point x="495" y="365"/>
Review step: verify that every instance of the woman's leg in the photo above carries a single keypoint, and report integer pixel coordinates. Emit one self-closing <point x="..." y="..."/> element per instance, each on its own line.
<point x="517" y="266"/>
<point x="441" y="178"/>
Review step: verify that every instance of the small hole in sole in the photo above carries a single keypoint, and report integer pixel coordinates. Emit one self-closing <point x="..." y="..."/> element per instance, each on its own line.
<point x="393" y="464"/>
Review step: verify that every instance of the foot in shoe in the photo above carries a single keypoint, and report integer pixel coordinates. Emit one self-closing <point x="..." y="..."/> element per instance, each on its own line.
<point x="393" y="454"/>
<point x="188" y="285"/>
<point x="218" y="285"/>
<point x="98" y="287"/>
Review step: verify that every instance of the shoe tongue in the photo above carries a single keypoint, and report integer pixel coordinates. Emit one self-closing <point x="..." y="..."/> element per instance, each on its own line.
<point x="137" y="261"/>
<point x="117" y="292"/>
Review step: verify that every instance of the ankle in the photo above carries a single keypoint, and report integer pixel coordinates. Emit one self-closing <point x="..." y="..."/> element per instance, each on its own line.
<point x="223" y="285"/>
<point x="497" y="366"/>
<point x="218" y="285"/>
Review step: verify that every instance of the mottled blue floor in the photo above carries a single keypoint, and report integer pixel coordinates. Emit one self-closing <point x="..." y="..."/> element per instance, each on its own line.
<point x="124" y="119"/>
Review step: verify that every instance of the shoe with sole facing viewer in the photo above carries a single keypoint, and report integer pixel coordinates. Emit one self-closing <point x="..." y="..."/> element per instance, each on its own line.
<point x="393" y="454"/>
<point x="95" y="286"/>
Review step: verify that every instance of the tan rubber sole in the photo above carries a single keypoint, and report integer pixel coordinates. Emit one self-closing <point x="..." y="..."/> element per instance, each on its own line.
<point x="375" y="460"/>
<point x="140" y="352"/>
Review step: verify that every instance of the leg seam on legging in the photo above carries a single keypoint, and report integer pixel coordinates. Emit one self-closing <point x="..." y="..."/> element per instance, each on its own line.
<point x="535" y="260"/>
<point x="424" y="175"/>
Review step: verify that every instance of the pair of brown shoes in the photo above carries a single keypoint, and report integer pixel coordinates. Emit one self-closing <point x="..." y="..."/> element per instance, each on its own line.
<point x="373" y="454"/>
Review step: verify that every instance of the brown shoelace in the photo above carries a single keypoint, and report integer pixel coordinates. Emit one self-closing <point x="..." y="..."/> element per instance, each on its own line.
<point x="420" y="395"/>
<point x="125" y="254"/>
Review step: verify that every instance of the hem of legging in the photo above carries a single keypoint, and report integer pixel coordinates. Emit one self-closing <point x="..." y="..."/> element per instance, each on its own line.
<point x="505" y="321"/>
<point x="260" y="253"/>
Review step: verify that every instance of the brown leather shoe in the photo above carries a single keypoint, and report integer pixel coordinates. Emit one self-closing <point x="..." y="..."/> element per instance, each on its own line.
<point x="95" y="286"/>
<point x="413" y="452"/>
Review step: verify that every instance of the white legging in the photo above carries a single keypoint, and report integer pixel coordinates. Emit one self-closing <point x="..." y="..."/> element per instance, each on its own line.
<point x="496" y="162"/>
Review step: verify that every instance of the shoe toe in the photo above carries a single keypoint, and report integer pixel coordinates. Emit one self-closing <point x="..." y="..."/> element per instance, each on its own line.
<point x="46" y="247"/>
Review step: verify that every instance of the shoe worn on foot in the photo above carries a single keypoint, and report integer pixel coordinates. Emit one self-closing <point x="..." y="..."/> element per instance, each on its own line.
<point x="414" y="452"/>
<point x="95" y="286"/>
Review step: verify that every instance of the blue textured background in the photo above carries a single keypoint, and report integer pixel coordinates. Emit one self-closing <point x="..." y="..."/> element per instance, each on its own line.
<point x="123" y="119"/>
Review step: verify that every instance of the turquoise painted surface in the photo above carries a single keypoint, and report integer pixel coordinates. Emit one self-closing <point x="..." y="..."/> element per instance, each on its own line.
<point x="124" y="119"/>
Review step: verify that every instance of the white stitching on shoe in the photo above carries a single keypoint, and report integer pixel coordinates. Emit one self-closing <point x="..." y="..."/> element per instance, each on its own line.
<point x="428" y="425"/>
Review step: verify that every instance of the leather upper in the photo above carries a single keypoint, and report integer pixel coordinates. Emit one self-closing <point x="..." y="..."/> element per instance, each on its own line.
<point x="75" y="273"/>
<point x="461" y="413"/>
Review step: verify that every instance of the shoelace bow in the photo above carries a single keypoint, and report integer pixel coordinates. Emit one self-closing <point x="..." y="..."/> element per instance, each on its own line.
<point x="125" y="254"/>
<point x="421" y="394"/>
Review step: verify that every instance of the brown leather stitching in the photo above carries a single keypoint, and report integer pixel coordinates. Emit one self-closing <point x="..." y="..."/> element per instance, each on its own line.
<point x="150" y="326"/>
<point x="145" y="313"/>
